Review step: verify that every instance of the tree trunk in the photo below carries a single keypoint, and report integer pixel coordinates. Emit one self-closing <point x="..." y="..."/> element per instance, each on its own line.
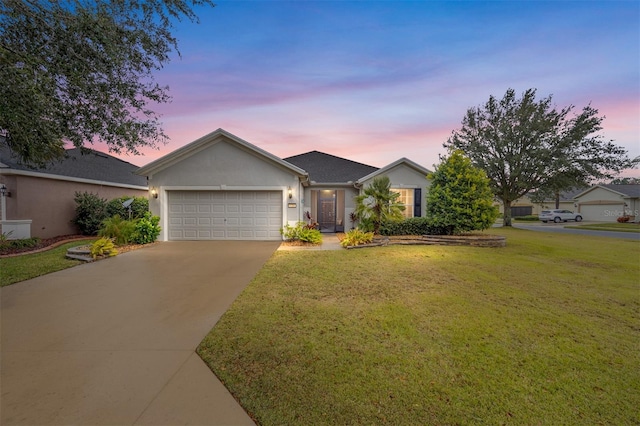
<point x="557" y="199"/>
<point x="506" y="221"/>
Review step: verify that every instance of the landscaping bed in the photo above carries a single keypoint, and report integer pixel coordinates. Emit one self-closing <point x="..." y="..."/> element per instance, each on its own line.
<point x="471" y="239"/>
<point x="7" y="250"/>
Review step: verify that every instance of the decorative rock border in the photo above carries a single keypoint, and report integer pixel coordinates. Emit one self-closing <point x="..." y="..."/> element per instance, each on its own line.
<point x="49" y="247"/>
<point x="475" y="240"/>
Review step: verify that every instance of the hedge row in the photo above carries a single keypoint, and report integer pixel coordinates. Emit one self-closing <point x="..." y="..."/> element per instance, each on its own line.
<point x="413" y="226"/>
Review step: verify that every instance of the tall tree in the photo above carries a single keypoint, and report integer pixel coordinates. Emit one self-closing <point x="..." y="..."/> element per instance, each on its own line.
<point x="459" y="198"/>
<point x="80" y="71"/>
<point x="378" y="203"/>
<point x="626" y="181"/>
<point x="525" y="144"/>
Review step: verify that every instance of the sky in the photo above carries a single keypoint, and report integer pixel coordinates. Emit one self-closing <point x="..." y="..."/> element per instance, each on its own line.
<point x="374" y="81"/>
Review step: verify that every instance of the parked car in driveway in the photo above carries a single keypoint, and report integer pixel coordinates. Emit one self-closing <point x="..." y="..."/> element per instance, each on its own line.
<point x="559" y="215"/>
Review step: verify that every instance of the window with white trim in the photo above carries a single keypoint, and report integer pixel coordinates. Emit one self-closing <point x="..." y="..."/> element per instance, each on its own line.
<point x="406" y="199"/>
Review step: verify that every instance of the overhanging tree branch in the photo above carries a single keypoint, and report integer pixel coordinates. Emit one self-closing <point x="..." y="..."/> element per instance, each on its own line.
<point x="82" y="72"/>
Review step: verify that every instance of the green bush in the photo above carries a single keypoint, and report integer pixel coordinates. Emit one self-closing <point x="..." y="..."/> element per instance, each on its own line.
<point x="366" y="224"/>
<point x="460" y="198"/>
<point x="356" y="237"/>
<point x="8" y="245"/>
<point x="91" y="210"/>
<point x="146" y="230"/>
<point x="104" y="247"/>
<point x="139" y="207"/>
<point x="379" y="204"/>
<point x="412" y="226"/>
<point x="528" y="218"/>
<point x="119" y="230"/>
<point x="301" y="232"/>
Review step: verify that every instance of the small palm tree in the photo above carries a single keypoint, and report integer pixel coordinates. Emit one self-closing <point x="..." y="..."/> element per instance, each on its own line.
<point x="378" y="203"/>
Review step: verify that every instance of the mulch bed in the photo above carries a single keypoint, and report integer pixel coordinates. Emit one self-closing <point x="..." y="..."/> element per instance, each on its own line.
<point x="43" y="244"/>
<point x="50" y="243"/>
<point x="474" y="239"/>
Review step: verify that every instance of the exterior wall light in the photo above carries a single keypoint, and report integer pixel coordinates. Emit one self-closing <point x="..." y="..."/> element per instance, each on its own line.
<point x="4" y="192"/>
<point x="154" y="192"/>
<point x="290" y="193"/>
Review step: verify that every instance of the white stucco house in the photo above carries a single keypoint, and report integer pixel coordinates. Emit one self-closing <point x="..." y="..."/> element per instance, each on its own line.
<point x="221" y="187"/>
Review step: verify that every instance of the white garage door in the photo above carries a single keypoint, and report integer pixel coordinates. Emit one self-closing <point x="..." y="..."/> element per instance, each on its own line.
<point x="601" y="212"/>
<point x="225" y="215"/>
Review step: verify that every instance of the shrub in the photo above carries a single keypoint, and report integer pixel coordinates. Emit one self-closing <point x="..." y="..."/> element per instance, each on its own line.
<point x="301" y="232"/>
<point x="119" y="230"/>
<point x="366" y="224"/>
<point x="356" y="237"/>
<point x="146" y="230"/>
<point x="8" y="245"/>
<point x="378" y="203"/>
<point x="139" y="207"/>
<point x="623" y="219"/>
<point x="103" y="248"/>
<point x="529" y="218"/>
<point x="4" y="236"/>
<point x="460" y="199"/>
<point x="90" y="212"/>
<point x="412" y="226"/>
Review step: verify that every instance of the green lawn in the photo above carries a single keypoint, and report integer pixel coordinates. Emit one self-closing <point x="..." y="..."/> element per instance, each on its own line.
<point x="620" y="227"/>
<point x="20" y="268"/>
<point x="544" y="331"/>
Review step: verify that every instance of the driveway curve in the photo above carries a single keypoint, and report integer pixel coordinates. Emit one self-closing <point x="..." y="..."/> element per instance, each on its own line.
<point x="112" y="342"/>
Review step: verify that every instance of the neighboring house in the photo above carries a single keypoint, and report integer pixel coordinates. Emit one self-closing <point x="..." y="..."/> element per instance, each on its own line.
<point x="524" y="206"/>
<point x="567" y="201"/>
<point x="40" y="201"/>
<point x="222" y="187"/>
<point x="600" y="203"/>
<point x="605" y="203"/>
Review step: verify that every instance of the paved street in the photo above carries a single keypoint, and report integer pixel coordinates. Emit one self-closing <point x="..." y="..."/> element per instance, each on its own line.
<point x="560" y="228"/>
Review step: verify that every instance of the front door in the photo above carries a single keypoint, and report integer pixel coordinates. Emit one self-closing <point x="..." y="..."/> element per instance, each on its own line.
<point x="327" y="210"/>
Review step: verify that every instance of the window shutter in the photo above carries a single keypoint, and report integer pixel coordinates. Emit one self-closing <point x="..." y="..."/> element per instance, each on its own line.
<point x="417" y="202"/>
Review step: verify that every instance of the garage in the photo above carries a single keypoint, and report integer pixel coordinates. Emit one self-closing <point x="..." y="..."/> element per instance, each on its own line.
<point x="601" y="212"/>
<point x="224" y="215"/>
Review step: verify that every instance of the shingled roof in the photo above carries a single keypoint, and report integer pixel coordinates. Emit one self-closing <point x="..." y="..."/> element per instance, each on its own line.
<point x="629" y="190"/>
<point x="326" y="168"/>
<point x="83" y="164"/>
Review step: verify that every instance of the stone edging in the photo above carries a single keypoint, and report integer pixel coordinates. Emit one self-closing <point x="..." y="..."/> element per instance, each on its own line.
<point x="446" y="240"/>
<point x="49" y="247"/>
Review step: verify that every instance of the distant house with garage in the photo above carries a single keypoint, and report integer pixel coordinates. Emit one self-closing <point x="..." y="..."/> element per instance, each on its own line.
<point x="525" y="206"/>
<point x="39" y="202"/>
<point x="598" y="203"/>
<point x="607" y="202"/>
<point x="221" y="187"/>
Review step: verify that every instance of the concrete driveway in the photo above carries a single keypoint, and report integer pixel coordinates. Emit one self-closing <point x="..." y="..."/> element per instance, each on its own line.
<point x="113" y="342"/>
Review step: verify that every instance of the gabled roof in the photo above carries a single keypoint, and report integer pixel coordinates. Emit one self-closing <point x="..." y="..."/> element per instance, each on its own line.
<point x="626" y="191"/>
<point x="415" y="166"/>
<point x="326" y="168"/>
<point x="85" y="164"/>
<point x="570" y="194"/>
<point x="211" y="139"/>
<point x="567" y="195"/>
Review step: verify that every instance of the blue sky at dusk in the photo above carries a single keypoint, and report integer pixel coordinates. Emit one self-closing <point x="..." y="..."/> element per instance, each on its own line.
<point x="376" y="81"/>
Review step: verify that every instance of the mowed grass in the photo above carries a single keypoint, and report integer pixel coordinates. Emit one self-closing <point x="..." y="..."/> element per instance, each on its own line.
<point x="27" y="266"/>
<point x="545" y="331"/>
